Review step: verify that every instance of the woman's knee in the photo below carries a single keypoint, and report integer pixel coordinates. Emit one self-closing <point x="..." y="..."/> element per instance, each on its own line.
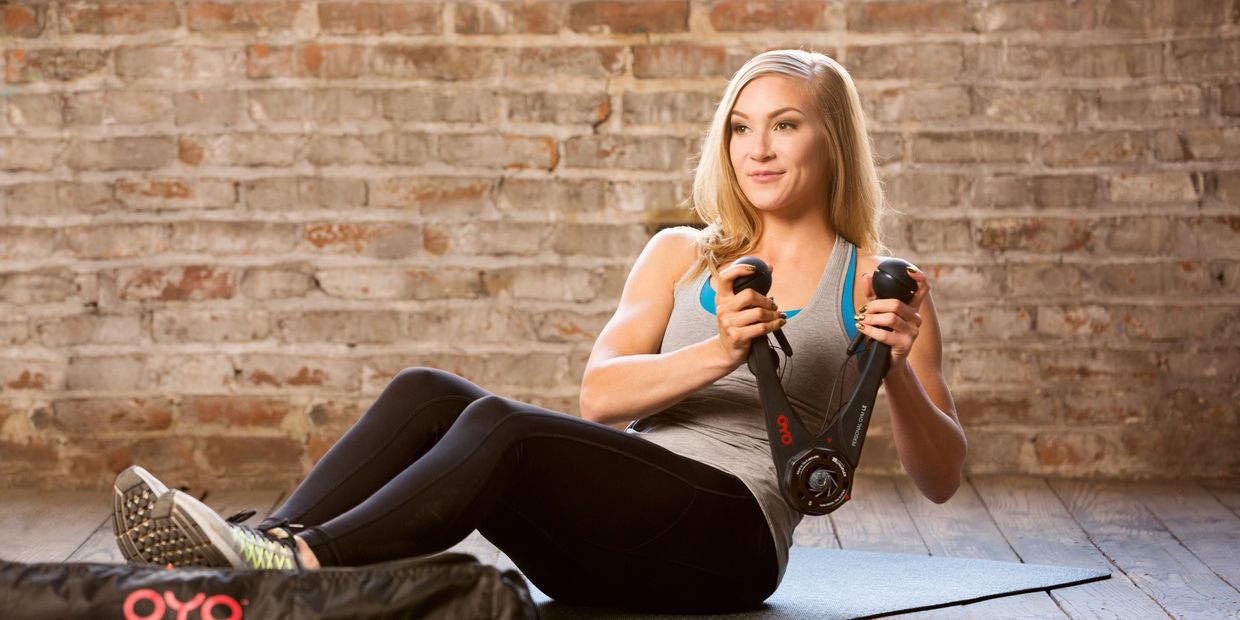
<point x="427" y="383"/>
<point x="488" y="412"/>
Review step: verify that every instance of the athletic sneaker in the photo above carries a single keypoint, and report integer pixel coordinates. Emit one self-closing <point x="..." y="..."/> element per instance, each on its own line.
<point x="185" y="532"/>
<point x="133" y="495"/>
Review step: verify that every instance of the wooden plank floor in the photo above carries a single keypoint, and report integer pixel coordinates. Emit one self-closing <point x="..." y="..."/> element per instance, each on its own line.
<point x="1173" y="549"/>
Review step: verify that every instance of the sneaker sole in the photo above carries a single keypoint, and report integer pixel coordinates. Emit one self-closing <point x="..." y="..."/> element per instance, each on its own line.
<point x="133" y="496"/>
<point x="178" y="537"/>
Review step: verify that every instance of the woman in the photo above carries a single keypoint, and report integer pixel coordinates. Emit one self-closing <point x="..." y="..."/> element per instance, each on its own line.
<point x="681" y="513"/>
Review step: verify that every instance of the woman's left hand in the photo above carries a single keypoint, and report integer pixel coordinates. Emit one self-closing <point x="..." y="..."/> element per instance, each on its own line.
<point x="901" y="318"/>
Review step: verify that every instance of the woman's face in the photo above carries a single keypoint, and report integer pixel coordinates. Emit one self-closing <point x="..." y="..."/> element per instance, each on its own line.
<point x="774" y="130"/>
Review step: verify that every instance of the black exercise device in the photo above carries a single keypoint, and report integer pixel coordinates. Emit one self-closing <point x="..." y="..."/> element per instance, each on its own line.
<point x="816" y="471"/>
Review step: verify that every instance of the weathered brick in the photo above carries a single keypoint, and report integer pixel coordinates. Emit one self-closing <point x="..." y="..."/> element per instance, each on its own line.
<point x="482" y="323"/>
<point x="1140" y="236"/>
<point x="189" y="283"/>
<point x="195" y="373"/>
<point x="1160" y="278"/>
<point x="453" y="197"/>
<point x="610" y="240"/>
<point x="1212" y="367"/>
<point x="236" y="411"/>
<point x="302" y="193"/>
<point x="161" y="61"/>
<point x="329" y="62"/>
<point x="87" y="416"/>
<point x="648" y="16"/>
<point x="244" y="238"/>
<point x="41" y="110"/>
<point x="216" y="325"/>
<point x="663" y="108"/>
<point x="680" y="61"/>
<point x="336" y="413"/>
<point x="626" y="152"/>
<point x="1037" y="16"/>
<point x="241" y="149"/>
<point x="27" y="456"/>
<point x="1229" y="95"/>
<point x="1005" y="61"/>
<point x="292" y="372"/>
<point x="278" y="282"/>
<point x="343" y="326"/>
<point x="1057" y="449"/>
<point x="377" y="18"/>
<point x="984" y="407"/>
<point x="235" y="455"/>
<point x="90" y="329"/>
<point x="278" y="105"/>
<point x="211" y="108"/>
<point x="1095" y="148"/>
<point x="1153" y="187"/>
<point x="58" y="64"/>
<point x="906" y="17"/>
<point x="942" y="235"/>
<point x="1206" y="143"/>
<point x="744" y="16"/>
<point x="13" y="330"/>
<point x="1013" y="105"/>
<point x="175" y="193"/>
<point x="591" y="62"/>
<point x="510" y="152"/>
<point x="560" y="108"/>
<point x="56" y="198"/>
<point x="32" y="375"/>
<point x="119" y="18"/>
<point x="957" y="283"/>
<point x="1000" y="367"/>
<point x="110" y="241"/>
<point x="23" y="20"/>
<point x="1077" y="323"/>
<point x="986" y="324"/>
<point x="525" y="17"/>
<point x="551" y="283"/>
<point x="490" y="238"/>
<point x="121" y="153"/>
<point x="106" y="372"/>
<point x="916" y="104"/>
<point x="1210" y="323"/>
<point x="659" y="202"/>
<point x="1197" y="58"/>
<point x="341" y="105"/>
<point x="1154" y="101"/>
<point x="434" y="62"/>
<point x="28" y="154"/>
<point x="419" y="284"/>
<point x="1073" y="366"/>
<point x="929" y="61"/>
<point x="526" y="196"/>
<point x="374" y="240"/>
<point x="400" y="148"/>
<point x="258" y="17"/>
<point x="465" y="106"/>
<point x="36" y="287"/>
<point x="1036" y="234"/>
<point x="1102" y="405"/>
<point x="975" y="146"/>
<point x="17" y="242"/>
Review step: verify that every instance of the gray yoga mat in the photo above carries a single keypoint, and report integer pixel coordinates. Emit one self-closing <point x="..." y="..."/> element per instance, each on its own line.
<point x="832" y="583"/>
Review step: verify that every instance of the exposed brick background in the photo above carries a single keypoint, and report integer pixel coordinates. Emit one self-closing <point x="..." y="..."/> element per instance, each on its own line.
<point x="225" y="226"/>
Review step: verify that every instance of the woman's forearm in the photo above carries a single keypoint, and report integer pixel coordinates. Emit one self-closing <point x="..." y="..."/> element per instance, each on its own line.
<point x="930" y="442"/>
<point x="630" y="387"/>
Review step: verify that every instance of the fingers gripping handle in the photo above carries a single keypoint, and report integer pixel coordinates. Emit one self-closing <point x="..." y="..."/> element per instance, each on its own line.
<point x="816" y="473"/>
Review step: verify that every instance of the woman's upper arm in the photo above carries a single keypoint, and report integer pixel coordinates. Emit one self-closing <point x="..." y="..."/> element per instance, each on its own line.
<point x="646" y="302"/>
<point x="926" y="358"/>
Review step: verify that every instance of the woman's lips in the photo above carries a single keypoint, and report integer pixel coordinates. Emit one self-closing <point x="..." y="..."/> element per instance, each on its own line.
<point x="765" y="178"/>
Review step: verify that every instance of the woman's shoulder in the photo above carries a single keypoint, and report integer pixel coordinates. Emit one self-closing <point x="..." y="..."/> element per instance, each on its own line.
<point x="675" y="247"/>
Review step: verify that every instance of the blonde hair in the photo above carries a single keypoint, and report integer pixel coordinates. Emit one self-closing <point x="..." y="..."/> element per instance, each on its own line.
<point x="854" y="202"/>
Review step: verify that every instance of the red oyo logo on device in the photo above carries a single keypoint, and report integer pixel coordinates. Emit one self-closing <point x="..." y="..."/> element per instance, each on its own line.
<point x="785" y="437"/>
<point x="206" y="606"/>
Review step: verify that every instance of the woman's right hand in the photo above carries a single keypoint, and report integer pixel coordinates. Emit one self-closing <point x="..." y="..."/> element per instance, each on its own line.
<point x="742" y="317"/>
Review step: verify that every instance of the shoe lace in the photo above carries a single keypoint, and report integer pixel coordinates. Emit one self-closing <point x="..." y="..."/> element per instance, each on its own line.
<point x="262" y="539"/>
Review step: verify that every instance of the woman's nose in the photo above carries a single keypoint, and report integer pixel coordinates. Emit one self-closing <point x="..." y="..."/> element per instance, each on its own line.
<point x="761" y="147"/>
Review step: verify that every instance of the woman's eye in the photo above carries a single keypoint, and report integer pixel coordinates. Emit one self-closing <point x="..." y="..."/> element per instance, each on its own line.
<point x="790" y="125"/>
<point x="737" y="128"/>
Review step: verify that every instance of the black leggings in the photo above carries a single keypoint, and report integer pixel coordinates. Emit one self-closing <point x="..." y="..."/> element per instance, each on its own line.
<point x="590" y="514"/>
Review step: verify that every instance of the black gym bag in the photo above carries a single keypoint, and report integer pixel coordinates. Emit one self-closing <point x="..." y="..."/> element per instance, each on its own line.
<point x="448" y="585"/>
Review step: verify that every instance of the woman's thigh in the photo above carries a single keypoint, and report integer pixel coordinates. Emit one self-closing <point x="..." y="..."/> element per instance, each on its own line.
<point x="596" y="516"/>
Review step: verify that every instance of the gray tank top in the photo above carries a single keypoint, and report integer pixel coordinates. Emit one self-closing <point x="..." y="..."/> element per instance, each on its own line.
<point x="722" y="424"/>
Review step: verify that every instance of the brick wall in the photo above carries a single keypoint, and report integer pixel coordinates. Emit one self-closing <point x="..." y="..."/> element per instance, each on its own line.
<point x="224" y="226"/>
